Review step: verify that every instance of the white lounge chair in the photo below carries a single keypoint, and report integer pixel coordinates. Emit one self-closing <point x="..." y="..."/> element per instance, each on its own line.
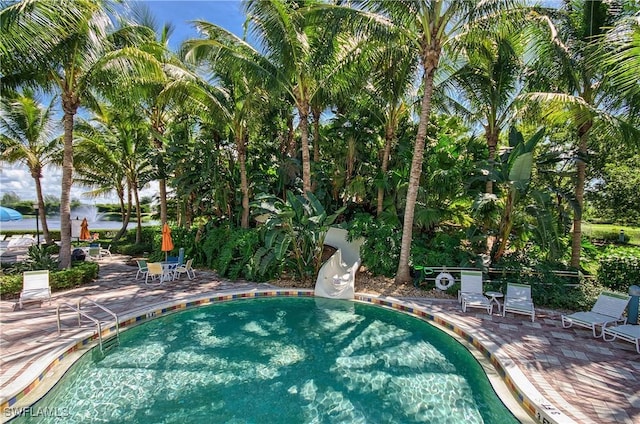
<point x="518" y="300"/>
<point x="106" y="251"/>
<point x="470" y="294"/>
<point x="608" y="310"/>
<point x="35" y="287"/>
<point x="628" y="332"/>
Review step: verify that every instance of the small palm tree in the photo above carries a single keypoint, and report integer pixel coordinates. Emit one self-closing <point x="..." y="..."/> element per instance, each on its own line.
<point x="119" y="141"/>
<point x="484" y="90"/>
<point x="29" y="134"/>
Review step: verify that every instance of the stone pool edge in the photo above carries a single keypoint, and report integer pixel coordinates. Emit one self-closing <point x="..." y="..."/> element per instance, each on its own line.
<point x="524" y="393"/>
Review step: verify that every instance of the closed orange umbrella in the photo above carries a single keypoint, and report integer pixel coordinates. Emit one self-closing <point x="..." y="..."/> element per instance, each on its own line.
<point x="167" y="243"/>
<point x="84" y="230"/>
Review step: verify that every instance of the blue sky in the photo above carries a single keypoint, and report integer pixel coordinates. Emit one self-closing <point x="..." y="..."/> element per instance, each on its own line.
<point x="225" y="13"/>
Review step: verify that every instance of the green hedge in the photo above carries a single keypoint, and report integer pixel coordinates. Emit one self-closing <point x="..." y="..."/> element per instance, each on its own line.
<point x="81" y="273"/>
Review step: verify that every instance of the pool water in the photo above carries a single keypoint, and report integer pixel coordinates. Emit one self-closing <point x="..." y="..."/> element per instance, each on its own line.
<point x="278" y="360"/>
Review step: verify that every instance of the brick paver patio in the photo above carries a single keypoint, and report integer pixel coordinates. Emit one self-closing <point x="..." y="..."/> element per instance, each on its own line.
<point x="589" y="380"/>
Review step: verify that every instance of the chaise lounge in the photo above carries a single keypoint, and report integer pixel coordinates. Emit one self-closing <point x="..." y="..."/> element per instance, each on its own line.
<point x="471" y="294"/>
<point x="518" y="300"/>
<point x="627" y="332"/>
<point x="608" y="309"/>
<point x="35" y="287"/>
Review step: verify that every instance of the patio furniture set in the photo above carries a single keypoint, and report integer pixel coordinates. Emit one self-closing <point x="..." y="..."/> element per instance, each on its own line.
<point x="164" y="271"/>
<point x="606" y="319"/>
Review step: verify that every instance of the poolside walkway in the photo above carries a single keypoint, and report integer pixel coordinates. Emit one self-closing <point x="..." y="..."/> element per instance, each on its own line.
<point x="589" y="380"/>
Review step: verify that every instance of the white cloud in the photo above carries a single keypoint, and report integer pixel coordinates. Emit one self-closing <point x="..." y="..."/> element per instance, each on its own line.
<point x="16" y="178"/>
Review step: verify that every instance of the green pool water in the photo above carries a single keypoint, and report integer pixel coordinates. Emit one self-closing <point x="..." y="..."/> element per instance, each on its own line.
<point x="277" y="360"/>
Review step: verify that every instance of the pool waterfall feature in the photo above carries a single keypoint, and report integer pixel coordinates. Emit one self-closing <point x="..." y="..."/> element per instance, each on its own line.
<point x="337" y="276"/>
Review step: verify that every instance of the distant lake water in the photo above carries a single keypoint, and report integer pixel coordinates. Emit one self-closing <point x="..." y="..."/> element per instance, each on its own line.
<point x="29" y="224"/>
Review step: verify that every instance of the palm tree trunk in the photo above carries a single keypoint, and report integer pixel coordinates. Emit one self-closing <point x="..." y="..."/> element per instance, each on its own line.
<point x="162" y="184"/>
<point x="290" y="147"/>
<point x="70" y="105"/>
<point x="42" y="213"/>
<point x="125" y="212"/>
<point x="430" y="62"/>
<point x="388" y="140"/>
<point x="316" y="134"/>
<point x="492" y="143"/>
<point x="303" y="112"/>
<point x="241" y="143"/>
<point x="576" y="237"/>
<point x="136" y="196"/>
<point x="351" y="161"/>
<point x="505" y="225"/>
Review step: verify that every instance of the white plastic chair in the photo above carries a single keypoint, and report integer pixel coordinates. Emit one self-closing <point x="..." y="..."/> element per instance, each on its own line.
<point x="106" y="251"/>
<point x="518" y="300"/>
<point x="35" y="286"/>
<point x="608" y="309"/>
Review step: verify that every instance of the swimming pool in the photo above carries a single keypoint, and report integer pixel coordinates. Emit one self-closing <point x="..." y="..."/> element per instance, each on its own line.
<point x="289" y="360"/>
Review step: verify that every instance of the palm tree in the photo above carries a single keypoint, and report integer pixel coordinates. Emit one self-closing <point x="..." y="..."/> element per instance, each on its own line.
<point x="155" y="97"/>
<point x="292" y="51"/>
<point x="484" y="90"/>
<point x="71" y="48"/>
<point x="239" y="99"/>
<point x="579" y="94"/>
<point x="427" y="26"/>
<point x="622" y="53"/>
<point x="391" y="83"/>
<point x="29" y="135"/>
<point x="119" y="141"/>
<point x="98" y="164"/>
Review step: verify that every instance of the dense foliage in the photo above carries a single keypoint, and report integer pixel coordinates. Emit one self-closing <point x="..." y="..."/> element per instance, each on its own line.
<point x="492" y="143"/>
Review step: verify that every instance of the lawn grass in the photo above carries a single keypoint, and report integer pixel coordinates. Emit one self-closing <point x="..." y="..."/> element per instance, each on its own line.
<point x="612" y="230"/>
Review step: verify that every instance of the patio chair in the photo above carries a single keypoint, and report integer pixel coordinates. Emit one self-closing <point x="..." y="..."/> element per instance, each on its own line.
<point x="608" y="309"/>
<point x="470" y="294"/>
<point x="35" y="287"/>
<point x="142" y="268"/>
<point x="106" y="251"/>
<point x="94" y="251"/>
<point x="186" y="268"/>
<point x="156" y="270"/>
<point x="518" y="300"/>
<point x="627" y="332"/>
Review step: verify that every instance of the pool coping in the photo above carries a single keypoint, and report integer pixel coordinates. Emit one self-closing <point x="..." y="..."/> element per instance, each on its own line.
<point x="58" y="361"/>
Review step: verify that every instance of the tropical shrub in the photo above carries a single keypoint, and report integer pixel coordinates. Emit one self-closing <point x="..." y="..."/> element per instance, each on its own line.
<point x="441" y="249"/>
<point x="619" y="269"/>
<point x="237" y="257"/>
<point x="80" y="273"/>
<point x="293" y="234"/>
<point x="381" y="248"/>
